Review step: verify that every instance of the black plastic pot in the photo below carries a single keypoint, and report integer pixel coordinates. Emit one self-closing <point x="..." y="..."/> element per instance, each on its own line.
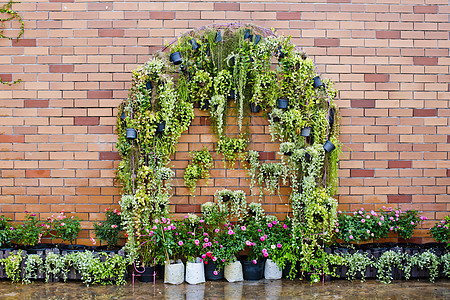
<point x="148" y="85"/>
<point x="226" y="198"/>
<point x="247" y="34"/>
<point x="331" y="116"/>
<point x="210" y="267"/>
<point x="218" y="36"/>
<point x="131" y="133"/>
<point x="176" y="58"/>
<point x="253" y="271"/>
<point x="317" y="82"/>
<point x="289" y="153"/>
<point x="194" y="44"/>
<point x="329" y="146"/>
<point x="148" y="274"/>
<point x="204" y="106"/>
<point x="255" y="108"/>
<point x="161" y="126"/>
<point x="283" y="103"/>
<point x="122" y="116"/>
<point x="74" y="248"/>
<point x="232" y="95"/>
<point x="305" y="131"/>
<point x="256" y="39"/>
<point x="280" y="53"/>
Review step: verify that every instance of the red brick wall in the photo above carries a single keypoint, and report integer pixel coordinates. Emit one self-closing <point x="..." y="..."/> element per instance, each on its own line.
<point x="390" y="60"/>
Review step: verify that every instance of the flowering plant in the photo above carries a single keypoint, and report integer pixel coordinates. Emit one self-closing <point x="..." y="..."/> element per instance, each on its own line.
<point x="403" y="223"/>
<point x="6" y="231"/>
<point x="191" y="236"/>
<point x="109" y="230"/>
<point x="30" y="232"/>
<point x="441" y="231"/>
<point x="65" y="228"/>
<point x="165" y="239"/>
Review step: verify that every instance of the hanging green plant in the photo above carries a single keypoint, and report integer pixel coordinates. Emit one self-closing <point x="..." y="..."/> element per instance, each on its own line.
<point x="199" y="169"/>
<point x="231" y="149"/>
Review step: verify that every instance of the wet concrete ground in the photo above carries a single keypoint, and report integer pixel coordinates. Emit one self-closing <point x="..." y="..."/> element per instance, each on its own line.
<point x="264" y="289"/>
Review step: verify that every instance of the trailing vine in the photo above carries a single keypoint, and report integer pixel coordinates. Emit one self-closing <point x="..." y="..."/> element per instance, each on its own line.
<point x="199" y="169"/>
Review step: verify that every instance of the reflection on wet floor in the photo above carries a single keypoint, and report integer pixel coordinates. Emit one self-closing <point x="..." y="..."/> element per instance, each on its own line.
<point x="263" y="289"/>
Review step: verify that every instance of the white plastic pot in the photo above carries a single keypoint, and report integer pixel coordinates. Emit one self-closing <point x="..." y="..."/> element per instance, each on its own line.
<point x="272" y="271"/>
<point x="195" y="272"/>
<point x="174" y="273"/>
<point x="233" y="272"/>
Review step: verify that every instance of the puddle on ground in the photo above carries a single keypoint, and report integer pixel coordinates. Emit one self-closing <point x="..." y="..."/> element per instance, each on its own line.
<point x="263" y="289"/>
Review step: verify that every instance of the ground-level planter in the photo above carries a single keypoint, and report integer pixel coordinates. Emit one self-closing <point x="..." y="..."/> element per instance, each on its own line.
<point x="271" y="270"/>
<point x="233" y="272"/>
<point x="147" y="275"/>
<point x="212" y="273"/>
<point x="253" y="271"/>
<point x="195" y="272"/>
<point x="174" y="273"/>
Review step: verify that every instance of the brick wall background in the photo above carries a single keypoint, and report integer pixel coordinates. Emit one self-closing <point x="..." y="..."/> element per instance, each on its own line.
<point x="389" y="59"/>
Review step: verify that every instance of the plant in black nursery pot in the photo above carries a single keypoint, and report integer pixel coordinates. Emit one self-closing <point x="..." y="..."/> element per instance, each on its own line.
<point x="109" y="230"/>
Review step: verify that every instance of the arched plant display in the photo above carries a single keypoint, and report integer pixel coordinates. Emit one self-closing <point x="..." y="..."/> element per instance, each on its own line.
<point x="233" y="70"/>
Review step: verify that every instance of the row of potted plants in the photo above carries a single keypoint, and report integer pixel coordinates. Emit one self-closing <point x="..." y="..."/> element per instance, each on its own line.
<point x="28" y="234"/>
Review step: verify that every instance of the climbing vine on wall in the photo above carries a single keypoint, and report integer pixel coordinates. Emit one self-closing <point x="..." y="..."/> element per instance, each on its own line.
<point x="232" y="69"/>
<point x="7" y="14"/>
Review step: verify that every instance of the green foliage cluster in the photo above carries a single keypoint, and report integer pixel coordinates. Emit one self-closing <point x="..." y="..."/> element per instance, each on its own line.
<point x="441" y="231"/>
<point x="64" y="228"/>
<point x="201" y="164"/>
<point x="109" y="230"/>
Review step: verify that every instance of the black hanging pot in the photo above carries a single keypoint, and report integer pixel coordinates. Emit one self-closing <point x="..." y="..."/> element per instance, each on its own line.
<point x="247" y="34"/>
<point x="253" y="271"/>
<point x="288" y="153"/>
<point x="218" y="36"/>
<point x="148" y="85"/>
<point x="204" y="106"/>
<point x="317" y="82"/>
<point x="256" y="39"/>
<point x="194" y="44"/>
<point x="306" y="131"/>
<point x="283" y="103"/>
<point x="280" y="53"/>
<point x="255" y="108"/>
<point x="161" y="126"/>
<point x="226" y="198"/>
<point x="331" y="116"/>
<point x="176" y="58"/>
<point x="148" y="274"/>
<point x="122" y="116"/>
<point x="210" y="267"/>
<point x="131" y="133"/>
<point x="232" y="95"/>
<point x="329" y="146"/>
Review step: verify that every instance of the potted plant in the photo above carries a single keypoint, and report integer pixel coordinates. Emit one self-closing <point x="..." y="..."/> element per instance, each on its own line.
<point x="6" y="232"/>
<point x="66" y="229"/>
<point x="29" y="233"/>
<point x="287" y="148"/>
<point x="231" y="148"/>
<point x="441" y="231"/>
<point x="108" y="231"/>
<point x="199" y="169"/>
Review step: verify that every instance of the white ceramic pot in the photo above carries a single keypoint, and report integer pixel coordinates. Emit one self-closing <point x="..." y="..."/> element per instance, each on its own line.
<point x="271" y="270"/>
<point x="233" y="272"/>
<point x="174" y="273"/>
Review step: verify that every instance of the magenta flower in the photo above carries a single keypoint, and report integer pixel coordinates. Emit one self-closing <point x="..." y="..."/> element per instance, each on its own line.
<point x="203" y="256"/>
<point x="363" y="220"/>
<point x="243" y="228"/>
<point x="351" y="237"/>
<point x="216" y="230"/>
<point x="265" y="254"/>
<point x="206" y="240"/>
<point x="248" y="243"/>
<point x="259" y="230"/>
<point x="197" y="242"/>
<point x="214" y="258"/>
<point x="336" y="230"/>
<point x="180" y="243"/>
<point x="255" y="262"/>
<point x="284" y="226"/>
<point x="412" y="223"/>
<point x="270" y="225"/>
<point x="262" y="239"/>
<point x="379" y="223"/>
<point x="223" y="260"/>
<point x="215" y="272"/>
<point x="114" y="226"/>
<point x="274" y="222"/>
<point x="382" y="218"/>
<point x="279" y="245"/>
<point x="392" y="228"/>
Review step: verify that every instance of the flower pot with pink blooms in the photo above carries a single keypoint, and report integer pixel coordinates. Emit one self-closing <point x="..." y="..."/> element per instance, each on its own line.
<point x="253" y="269"/>
<point x="109" y="230"/>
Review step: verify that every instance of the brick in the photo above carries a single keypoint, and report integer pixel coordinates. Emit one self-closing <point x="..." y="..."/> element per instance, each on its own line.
<point x="6" y="77"/>
<point x="12" y="139"/>
<point x="425" y="112"/>
<point x="267" y="155"/>
<point x="425" y="61"/>
<point x="376" y="77"/>
<point x="399" y="164"/>
<point x="35" y="103"/>
<point x="109" y="156"/>
<point x="326" y="42"/>
<point x="64" y="1"/>
<point x="399" y="198"/>
<point x="100" y="94"/>
<point x="24" y="43"/>
<point x="187" y="208"/>
<point x="161" y="15"/>
<point x="86" y="121"/>
<point x="364" y="103"/>
<point x="61" y="68"/>
<point x="283" y="15"/>
<point x="226" y="6"/>
<point x="361" y="173"/>
<point x="431" y="9"/>
<point x="37" y="173"/>
<point x="388" y="34"/>
<point x="110" y="32"/>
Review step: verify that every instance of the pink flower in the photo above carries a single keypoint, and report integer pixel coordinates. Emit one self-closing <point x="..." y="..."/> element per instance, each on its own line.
<point x="230" y="232"/>
<point x="197" y="242"/>
<point x="248" y="243"/>
<point x="279" y="245"/>
<point x="368" y="231"/>
<point x="62" y="224"/>
<point x="99" y="224"/>
<point x="206" y="240"/>
<point x="274" y="222"/>
<point x="392" y="228"/>
<point x="154" y="227"/>
<point x="165" y="228"/>
<point x="270" y="225"/>
<point x="351" y="237"/>
<point x="362" y="220"/>
<point x="215" y="272"/>
<point x="382" y="218"/>
<point x="367" y="217"/>
<point x="265" y="254"/>
<point x="412" y="223"/>
<point x="201" y="221"/>
<point x="336" y="230"/>
<point x="214" y="258"/>
<point x="391" y="218"/>
<point x="93" y="241"/>
<point x="262" y="239"/>
<point x="384" y="207"/>
<point x="284" y="226"/>
<point x="114" y="226"/>
<point x="259" y="230"/>
<point x="243" y="228"/>
<point x="216" y="230"/>
<point x="156" y="221"/>
<point x="255" y="262"/>
<point x="180" y="243"/>
<point x="379" y="223"/>
<point x="223" y="260"/>
<point x="203" y="256"/>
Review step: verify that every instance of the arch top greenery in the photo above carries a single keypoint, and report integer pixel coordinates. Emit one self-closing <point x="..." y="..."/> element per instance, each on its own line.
<point x="226" y="70"/>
